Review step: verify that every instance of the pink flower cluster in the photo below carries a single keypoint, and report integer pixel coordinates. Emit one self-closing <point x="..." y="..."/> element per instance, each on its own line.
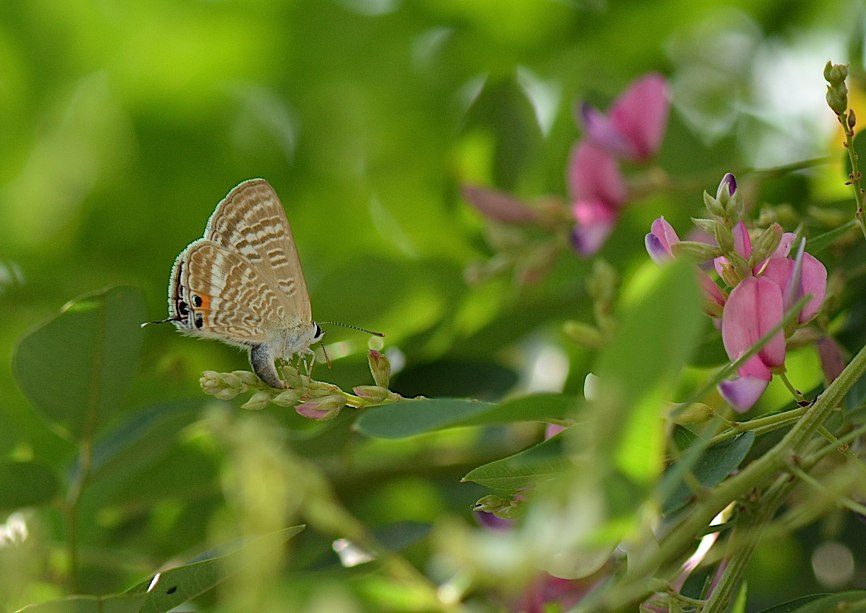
<point x="631" y="130"/>
<point x="764" y="286"/>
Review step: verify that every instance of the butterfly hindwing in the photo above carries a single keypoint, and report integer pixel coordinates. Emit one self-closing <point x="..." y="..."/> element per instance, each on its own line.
<point x="220" y="294"/>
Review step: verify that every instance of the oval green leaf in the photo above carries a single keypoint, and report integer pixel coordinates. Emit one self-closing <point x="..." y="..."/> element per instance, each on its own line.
<point x="75" y="368"/>
<point x="172" y="588"/>
<point x="521" y="470"/>
<point x="713" y="466"/>
<point x="412" y="417"/>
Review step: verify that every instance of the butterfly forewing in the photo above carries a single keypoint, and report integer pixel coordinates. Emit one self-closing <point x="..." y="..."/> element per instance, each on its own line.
<point x="251" y="221"/>
<point x="227" y="298"/>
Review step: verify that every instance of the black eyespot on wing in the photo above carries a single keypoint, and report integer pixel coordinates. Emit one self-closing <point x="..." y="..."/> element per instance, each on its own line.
<point x="199" y="321"/>
<point x="196" y="300"/>
<point x="183" y="308"/>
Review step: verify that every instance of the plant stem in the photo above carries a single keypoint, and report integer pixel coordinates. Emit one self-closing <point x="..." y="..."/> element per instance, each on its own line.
<point x="760" y="424"/>
<point x="631" y="589"/>
<point x="70" y="509"/>
<point x="855" y="176"/>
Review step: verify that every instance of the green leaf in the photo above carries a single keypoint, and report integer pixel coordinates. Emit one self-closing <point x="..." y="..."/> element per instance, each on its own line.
<point x="142" y="438"/>
<point x="527" y="468"/>
<point x="411" y="417"/>
<point x="714" y="465"/>
<point x="116" y="603"/>
<point x="171" y="588"/>
<point x="25" y="484"/>
<point x="659" y="330"/>
<point x="820" y="603"/>
<point x="75" y="368"/>
<point x="822" y="241"/>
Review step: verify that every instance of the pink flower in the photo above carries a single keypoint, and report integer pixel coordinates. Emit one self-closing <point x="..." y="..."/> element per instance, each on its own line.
<point x="757" y="305"/>
<point x="634" y="126"/>
<point x="832" y="359"/>
<point x="632" y="129"/>
<point x="598" y="193"/>
<point x="660" y="241"/>
<point x="499" y="205"/>
<point x="797" y="278"/>
<point x="754" y="307"/>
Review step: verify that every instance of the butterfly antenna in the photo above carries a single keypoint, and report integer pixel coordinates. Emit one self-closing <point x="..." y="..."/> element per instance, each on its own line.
<point x="358" y="328"/>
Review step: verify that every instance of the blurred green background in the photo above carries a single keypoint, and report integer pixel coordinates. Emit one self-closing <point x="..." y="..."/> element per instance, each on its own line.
<point x="122" y="124"/>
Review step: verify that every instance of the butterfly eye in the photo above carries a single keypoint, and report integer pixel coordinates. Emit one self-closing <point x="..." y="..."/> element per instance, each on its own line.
<point x="318" y="334"/>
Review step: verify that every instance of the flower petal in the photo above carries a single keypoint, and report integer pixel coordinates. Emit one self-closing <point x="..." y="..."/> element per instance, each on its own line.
<point x="742" y="241"/>
<point x="594" y="175"/>
<point x="660" y="240"/>
<point x="499" y="205"/>
<point x="742" y="393"/>
<point x="814" y="282"/>
<point x="729" y="182"/>
<point x="641" y="114"/>
<point x="753" y="309"/>
<point x="602" y="133"/>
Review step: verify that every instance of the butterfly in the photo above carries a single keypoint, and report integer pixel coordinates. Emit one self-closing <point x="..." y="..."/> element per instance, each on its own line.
<point x="242" y="284"/>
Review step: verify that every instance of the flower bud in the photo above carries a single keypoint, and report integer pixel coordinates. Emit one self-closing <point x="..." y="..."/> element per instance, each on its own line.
<point x="700" y="251"/>
<point x="257" y="401"/>
<point x="371" y="393"/>
<point x="286" y="398"/>
<point x="852" y="119"/>
<point x="724" y="238"/>
<point x="714" y="206"/>
<point x="380" y="368"/>
<point x="727" y="272"/>
<point x="694" y="413"/>
<point x="727" y="188"/>
<point x="583" y="334"/>
<point x="766" y="243"/>
<point x="705" y="225"/>
<point x="246" y="377"/>
<point x="835" y="73"/>
<point x="836" y="101"/>
<point x="506" y="508"/>
<point x="322" y="408"/>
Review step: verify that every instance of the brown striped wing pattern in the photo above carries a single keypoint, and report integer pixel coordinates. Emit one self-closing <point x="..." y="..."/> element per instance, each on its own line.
<point x="227" y="298"/>
<point x="251" y="221"/>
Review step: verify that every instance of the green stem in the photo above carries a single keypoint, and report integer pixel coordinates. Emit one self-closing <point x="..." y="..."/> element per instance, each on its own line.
<point x="759" y="424"/>
<point x="631" y="588"/>
<point x="70" y="509"/>
<point x="855" y="176"/>
<point x="743" y="541"/>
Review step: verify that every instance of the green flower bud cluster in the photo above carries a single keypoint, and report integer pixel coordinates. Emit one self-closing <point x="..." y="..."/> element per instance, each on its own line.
<point x="311" y="398"/>
<point x="837" y="91"/>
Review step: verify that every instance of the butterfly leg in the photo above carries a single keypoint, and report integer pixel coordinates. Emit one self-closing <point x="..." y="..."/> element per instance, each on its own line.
<point x="262" y="361"/>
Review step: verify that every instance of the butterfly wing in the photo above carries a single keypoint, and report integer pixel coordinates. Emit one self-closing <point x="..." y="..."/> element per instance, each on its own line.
<point x="251" y="221"/>
<point x="217" y="293"/>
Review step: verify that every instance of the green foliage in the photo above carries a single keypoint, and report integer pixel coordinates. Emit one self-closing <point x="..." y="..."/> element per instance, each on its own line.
<point x="76" y="368"/>
<point x="125" y="123"/>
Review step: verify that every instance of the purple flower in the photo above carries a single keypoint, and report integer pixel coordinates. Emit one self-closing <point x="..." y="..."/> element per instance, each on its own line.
<point x="729" y="184"/>
<point x="634" y="126"/>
